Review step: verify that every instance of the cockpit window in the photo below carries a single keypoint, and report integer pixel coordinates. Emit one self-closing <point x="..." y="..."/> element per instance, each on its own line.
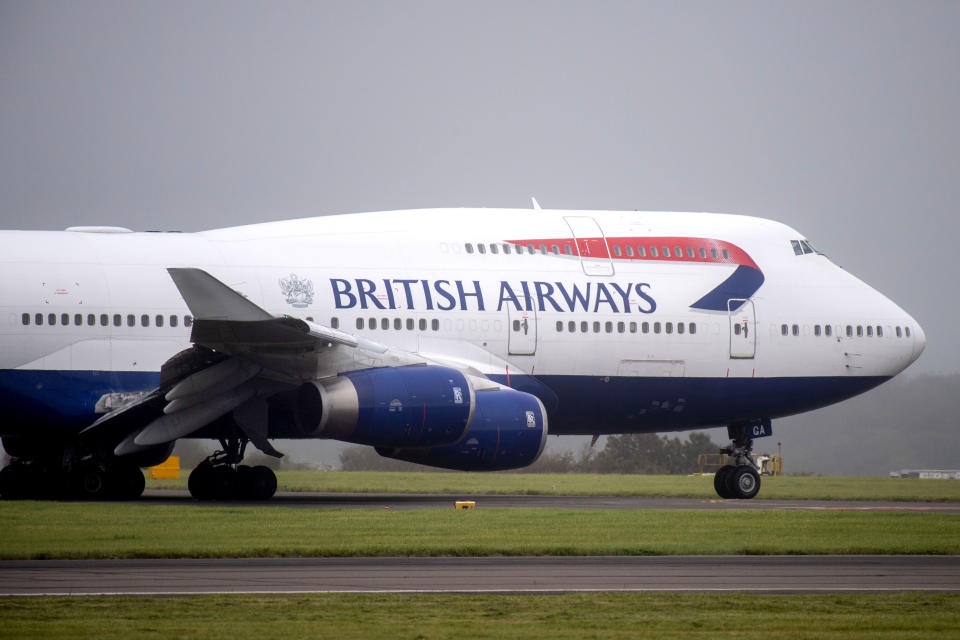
<point x="797" y="249"/>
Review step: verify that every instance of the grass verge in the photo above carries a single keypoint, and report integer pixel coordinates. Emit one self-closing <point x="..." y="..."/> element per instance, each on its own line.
<point x="594" y="615"/>
<point x="104" y="530"/>
<point x="778" y="488"/>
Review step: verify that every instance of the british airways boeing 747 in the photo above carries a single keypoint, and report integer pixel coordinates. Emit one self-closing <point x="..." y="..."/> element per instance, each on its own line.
<point x="457" y="338"/>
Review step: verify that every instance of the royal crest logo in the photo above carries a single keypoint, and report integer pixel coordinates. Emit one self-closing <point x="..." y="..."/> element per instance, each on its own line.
<point x="299" y="292"/>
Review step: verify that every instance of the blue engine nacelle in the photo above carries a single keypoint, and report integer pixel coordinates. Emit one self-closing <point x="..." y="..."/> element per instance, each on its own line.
<point x="508" y="431"/>
<point x="413" y="406"/>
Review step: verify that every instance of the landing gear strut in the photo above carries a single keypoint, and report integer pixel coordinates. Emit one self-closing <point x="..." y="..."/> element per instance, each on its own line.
<point x="222" y="477"/>
<point x="740" y="480"/>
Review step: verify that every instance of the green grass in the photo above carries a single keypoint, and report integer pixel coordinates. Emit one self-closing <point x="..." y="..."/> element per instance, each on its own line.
<point x="346" y="616"/>
<point x="104" y="530"/>
<point x="779" y="488"/>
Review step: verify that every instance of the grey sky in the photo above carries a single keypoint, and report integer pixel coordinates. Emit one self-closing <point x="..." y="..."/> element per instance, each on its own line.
<point x="838" y="118"/>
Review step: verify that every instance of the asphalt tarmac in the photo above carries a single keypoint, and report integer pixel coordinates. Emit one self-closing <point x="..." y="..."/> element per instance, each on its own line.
<point x="766" y="574"/>
<point x="445" y="501"/>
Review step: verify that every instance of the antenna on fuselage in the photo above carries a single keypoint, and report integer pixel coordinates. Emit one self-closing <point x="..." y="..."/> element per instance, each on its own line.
<point x="536" y="205"/>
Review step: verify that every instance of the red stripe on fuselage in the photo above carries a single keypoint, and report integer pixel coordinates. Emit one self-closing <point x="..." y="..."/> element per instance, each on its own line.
<point x="712" y="249"/>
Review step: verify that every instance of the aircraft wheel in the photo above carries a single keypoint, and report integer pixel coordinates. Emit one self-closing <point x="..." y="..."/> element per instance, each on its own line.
<point x="127" y="482"/>
<point x="263" y="483"/>
<point x="223" y="482"/>
<point x="13" y="482"/>
<point x="720" y="481"/>
<point x="91" y="483"/>
<point x="200" y="482"/>
<point x="744" y="482"/>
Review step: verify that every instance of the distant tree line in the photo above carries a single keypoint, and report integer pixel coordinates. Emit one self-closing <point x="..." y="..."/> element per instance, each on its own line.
<point x="629" y="453"/>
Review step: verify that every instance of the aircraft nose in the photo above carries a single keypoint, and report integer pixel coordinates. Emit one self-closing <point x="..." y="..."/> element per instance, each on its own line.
<point x="919" y="340"/>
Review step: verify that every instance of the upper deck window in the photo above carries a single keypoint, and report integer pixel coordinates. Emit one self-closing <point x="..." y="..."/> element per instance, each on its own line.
<point x="468" y="247"/>
<point x="493" y="248"/>
<point x="482" y="248"/>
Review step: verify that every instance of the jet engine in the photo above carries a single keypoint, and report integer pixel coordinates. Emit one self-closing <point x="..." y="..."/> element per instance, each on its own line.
<point x="508" y="431"/>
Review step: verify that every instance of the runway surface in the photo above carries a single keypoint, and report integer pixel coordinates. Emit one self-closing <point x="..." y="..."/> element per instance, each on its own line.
<point x="771" y="574"/>
<point x="445" y="501"/>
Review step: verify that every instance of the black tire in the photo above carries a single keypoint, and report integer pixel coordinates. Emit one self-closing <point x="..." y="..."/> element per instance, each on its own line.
<point x="744" y="483"/>
<point x="264" y="483"/>
<point x="223" y="482"/>
<point x="720" y="484"/>
<point x="13" y="482"/>
<point x="91" y="483"/>
<point x="200" y="482"/>
<point x="127" y="482"/>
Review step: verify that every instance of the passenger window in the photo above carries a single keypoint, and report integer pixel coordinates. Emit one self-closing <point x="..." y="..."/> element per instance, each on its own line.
<point x="506" y="249"/>
<point x="25" y="319"/>
<point x="617" y="251"/>
<point x="481" y="248"/>
<point x="131" y="320"/>
<point x="554" y="249"/>
<point x="784" y="330"/>
<point x="187" y="321"/>
<point x="104" y="320"/>
<point x="572" y="326"/>
<point x="621" y="327"/>
<point x="736" y="329"/>
<point x="77" y="319"/>
<point x="608" y="326"/>
<point x="645" y="327"/>
<point x="435" y="324"/>
<point x="669" y="326"/>
<point x="678" y="252"/>
<point x="641" y="251"/>
<point x="91" y="319"/>
<point x="493" y="248"/>
<point x="690" y="252"/>
<point x="567" y="249"/>
<point x="559" y="326"/>
<point x="629" y="250"/>
<point x="516" y="325"/>
<point x="633" y="327"/>
<point x="828" y="330"/>
<point x="117" y="320"/>
<point x="543" y="249"/>
<point x="726" y="254"/>
<point x="144" y="320"/>
<point x="422" y="324"/>
<point x="666" y="252"/>
<point x="653" y="252"/>
<point x="713" y="253"/>
<point x="859" y="331"/>
<point x="372" y="323"/>
<point x="174" y="321"/>
<point x="907" y="331"/>
<point x="52" y="319"/>
<point x="656" y="327"/>
<point x="38" y="319"/>
<point x="797" y="249"/>
<point x="596" y="327"/>
<point x="158" y="320"/>
<point x="879" y="331"/>
<point x="869" y="331"/>
<point x="680" y="327"/>
<point x="384" y="323"/>
<point x="410" y="324"/>
<point x="531" y="249"/>
<point x="899" y="333"/>
<point x="703" y="253"/>
<point x="693" y="328"/>
<point x="796" y="329"/>
<point x="583" y="327"/>
<point x="816" y="330"/>
<point x="65" y="319"/>
<point x="468" y="247"/>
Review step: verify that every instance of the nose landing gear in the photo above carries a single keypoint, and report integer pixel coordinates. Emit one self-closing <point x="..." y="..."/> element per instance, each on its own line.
<point x="740" y="480"/>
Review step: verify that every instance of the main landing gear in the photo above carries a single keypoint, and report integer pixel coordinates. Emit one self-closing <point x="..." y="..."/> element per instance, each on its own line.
<point x="740" y="480"/>
<point x="36" y="479"/>
<point x="222" y="477"/>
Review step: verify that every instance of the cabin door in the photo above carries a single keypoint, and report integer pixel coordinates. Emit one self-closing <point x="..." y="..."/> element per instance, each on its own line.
<point x="743" y="328"/>
<point x="522" y="325"/>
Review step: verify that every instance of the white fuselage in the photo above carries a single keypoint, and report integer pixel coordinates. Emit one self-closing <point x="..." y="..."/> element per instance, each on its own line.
<point x="623" y="341"/>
